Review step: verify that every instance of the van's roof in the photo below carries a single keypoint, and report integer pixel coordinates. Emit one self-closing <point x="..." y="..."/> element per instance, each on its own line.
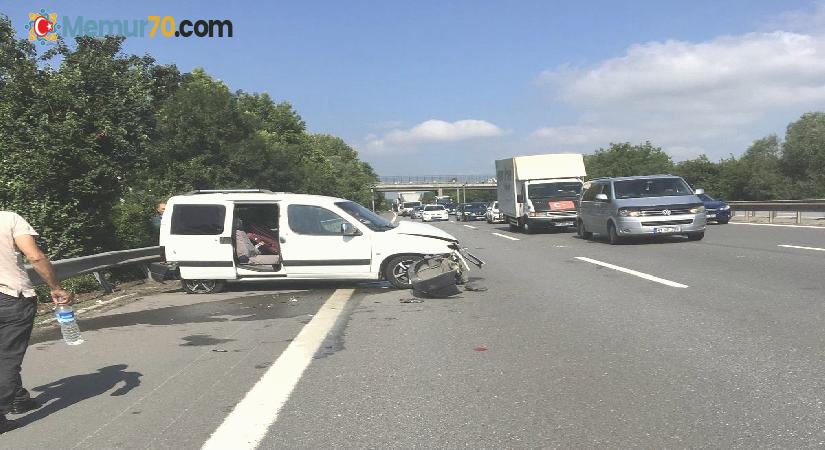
<point x="249" y="195"/>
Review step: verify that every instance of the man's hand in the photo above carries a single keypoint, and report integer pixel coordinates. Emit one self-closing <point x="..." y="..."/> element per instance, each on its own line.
<point x="61" y="296"/>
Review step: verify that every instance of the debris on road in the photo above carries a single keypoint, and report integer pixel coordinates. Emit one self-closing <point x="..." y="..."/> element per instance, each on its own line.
<point x="435" y="277"/>
<point x="219" y="350"/>
<point x="411" y="300"/>
<point x="293" y="301"/>
<point x="474" y="286"/>
<point x="480" y="349"/>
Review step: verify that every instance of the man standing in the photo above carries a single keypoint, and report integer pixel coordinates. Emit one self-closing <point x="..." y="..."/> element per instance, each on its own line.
<point x="18" y="306"/>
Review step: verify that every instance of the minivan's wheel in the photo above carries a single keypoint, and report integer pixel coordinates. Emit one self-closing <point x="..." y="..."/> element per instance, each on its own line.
<point x="203" y="286"/>
<point x="696" y="236"/>
<point x="396" y="270"/>
<point x="612" y="235"/>
<point x="583" y="233"/>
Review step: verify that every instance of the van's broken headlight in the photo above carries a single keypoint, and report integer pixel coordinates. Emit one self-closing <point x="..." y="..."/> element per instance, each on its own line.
<point x="697" y="209"/>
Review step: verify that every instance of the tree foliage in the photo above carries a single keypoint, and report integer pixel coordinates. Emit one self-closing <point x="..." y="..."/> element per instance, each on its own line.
<point x="625" y="159"/>
<point x="90" y="146"/>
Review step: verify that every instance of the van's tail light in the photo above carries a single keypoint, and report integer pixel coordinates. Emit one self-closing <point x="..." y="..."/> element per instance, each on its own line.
<point x="163" y="254"/>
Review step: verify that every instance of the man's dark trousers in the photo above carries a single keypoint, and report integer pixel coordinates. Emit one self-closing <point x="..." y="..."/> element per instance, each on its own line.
<point x="16" y="322"/>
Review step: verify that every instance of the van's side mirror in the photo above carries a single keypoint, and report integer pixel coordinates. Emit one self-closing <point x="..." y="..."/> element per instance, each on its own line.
<point x="519" y="198"/>
<point x="601" y="197"/>
<point x="348" y="230"/>
<point x="699" y="191"/>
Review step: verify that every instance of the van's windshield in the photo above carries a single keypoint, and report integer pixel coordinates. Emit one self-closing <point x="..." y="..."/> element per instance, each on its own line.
<point x="363" y="215"/>
<point x="554" y="190"/>
<point x="651" y="187"/>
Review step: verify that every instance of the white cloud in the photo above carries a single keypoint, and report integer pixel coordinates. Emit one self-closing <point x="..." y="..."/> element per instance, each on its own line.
<point x="691" y="95"/>
<point x="433" y="131"/>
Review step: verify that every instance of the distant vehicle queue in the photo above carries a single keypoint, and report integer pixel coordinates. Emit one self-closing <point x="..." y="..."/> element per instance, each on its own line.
<point x="550" y="192"/>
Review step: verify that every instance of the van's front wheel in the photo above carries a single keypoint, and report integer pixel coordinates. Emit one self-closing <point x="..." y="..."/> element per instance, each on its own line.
<point x="396" y="270"/>
<point x="203" y="286"/>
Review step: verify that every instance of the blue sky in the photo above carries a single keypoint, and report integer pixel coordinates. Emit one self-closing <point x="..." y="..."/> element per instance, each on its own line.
<point x="434" y="87"/>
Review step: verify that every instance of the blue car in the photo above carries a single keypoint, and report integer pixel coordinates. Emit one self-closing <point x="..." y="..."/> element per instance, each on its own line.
<point x="716" y="209"/>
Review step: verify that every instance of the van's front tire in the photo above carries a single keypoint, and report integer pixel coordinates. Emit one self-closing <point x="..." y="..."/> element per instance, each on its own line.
<point x="583" y="233"/>
<point x="696" y="236"/>
<point x="612" y="236"/>
<point x="396" y="270"/>
<point x="203" y="286"/>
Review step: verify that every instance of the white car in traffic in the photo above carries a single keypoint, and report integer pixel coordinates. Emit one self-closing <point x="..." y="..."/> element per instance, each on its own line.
<point x="434" y="212"/>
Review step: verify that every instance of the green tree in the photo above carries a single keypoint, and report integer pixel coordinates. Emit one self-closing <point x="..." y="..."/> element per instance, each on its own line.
<point x="72" y="137"/>
<point x="803" y="154"/>
<point x="625" y="159"/>
<point x="700" y="173"/>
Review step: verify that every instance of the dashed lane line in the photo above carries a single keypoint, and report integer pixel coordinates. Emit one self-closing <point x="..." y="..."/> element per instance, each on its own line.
<point x="802" y="247"/>
<point x="506" y="237"/>
<point x="633" y="272"/>
<point x="247" y="424"/>
<point x="470" y="226"/>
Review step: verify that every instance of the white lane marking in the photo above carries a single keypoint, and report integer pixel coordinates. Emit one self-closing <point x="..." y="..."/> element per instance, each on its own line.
<point x="777" y="225"/>
<point x="633" y="272"/>
<point x="247" y="424"/>
<point x="506" y="237"/>
<point x="802" y="248"/>
<point x="470" y="226"/>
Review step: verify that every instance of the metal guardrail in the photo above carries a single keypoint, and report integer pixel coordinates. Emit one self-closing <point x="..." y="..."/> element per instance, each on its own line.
<point x="70" y="267"/>
<point x="774" y="206"/>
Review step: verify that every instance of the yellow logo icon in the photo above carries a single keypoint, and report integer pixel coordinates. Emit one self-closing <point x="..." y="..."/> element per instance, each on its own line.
<point x="42" y="27"/>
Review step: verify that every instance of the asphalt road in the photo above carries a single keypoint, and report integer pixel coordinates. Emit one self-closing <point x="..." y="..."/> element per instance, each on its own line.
<point x="560" y="351"/>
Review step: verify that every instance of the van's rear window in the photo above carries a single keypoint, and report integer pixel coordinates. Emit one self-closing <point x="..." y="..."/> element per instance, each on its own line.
<point x="198" y="219"/>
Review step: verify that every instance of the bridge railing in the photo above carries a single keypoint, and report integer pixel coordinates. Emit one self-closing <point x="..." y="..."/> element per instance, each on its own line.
<point x="438" y="179"/>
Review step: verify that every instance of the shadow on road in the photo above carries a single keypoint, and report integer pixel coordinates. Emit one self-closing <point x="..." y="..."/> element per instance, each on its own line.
<point x="68" y="391"/>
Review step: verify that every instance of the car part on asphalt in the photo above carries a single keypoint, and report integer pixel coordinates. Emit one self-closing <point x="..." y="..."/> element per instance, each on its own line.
<point x="435" y="276"/>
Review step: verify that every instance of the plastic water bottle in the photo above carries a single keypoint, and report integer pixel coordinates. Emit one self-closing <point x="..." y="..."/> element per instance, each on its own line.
<point x="68" y="325"/>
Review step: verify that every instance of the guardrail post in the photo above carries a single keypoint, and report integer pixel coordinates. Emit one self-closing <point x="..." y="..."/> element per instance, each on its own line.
<point x="107" y="288"/>
<point x="771" y="215"/>
<point x="798" y="217"/>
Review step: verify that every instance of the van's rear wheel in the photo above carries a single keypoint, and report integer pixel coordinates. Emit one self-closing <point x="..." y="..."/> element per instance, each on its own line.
<point x="203" y="286"/>
<point x="396" y="270"/>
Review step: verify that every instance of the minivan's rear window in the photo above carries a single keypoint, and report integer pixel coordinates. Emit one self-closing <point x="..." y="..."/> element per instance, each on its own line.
<point x="198" y="219"/>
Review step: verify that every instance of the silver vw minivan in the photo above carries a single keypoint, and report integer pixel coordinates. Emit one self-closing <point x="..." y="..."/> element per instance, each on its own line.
<point x="650" y="205"/>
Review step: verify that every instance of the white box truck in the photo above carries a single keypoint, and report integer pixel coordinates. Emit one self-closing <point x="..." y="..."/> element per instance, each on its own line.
<point x="540" y="191"/>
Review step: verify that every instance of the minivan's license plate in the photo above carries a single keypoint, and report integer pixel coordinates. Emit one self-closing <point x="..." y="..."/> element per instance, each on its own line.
<point x="667" y="229"/>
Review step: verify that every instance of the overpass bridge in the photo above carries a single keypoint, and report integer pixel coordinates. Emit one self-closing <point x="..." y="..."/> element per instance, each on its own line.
<point x="441" y="184"/>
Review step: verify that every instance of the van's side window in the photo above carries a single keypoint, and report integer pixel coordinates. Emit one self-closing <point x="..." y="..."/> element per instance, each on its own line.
<point x="198" y="219"/>
<point x="314" y="220"/>
<point x="608" y="190"/>
<point x="590" y="194"/>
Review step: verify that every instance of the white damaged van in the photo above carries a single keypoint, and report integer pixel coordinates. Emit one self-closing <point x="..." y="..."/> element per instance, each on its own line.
<point x="217" y="236"/>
